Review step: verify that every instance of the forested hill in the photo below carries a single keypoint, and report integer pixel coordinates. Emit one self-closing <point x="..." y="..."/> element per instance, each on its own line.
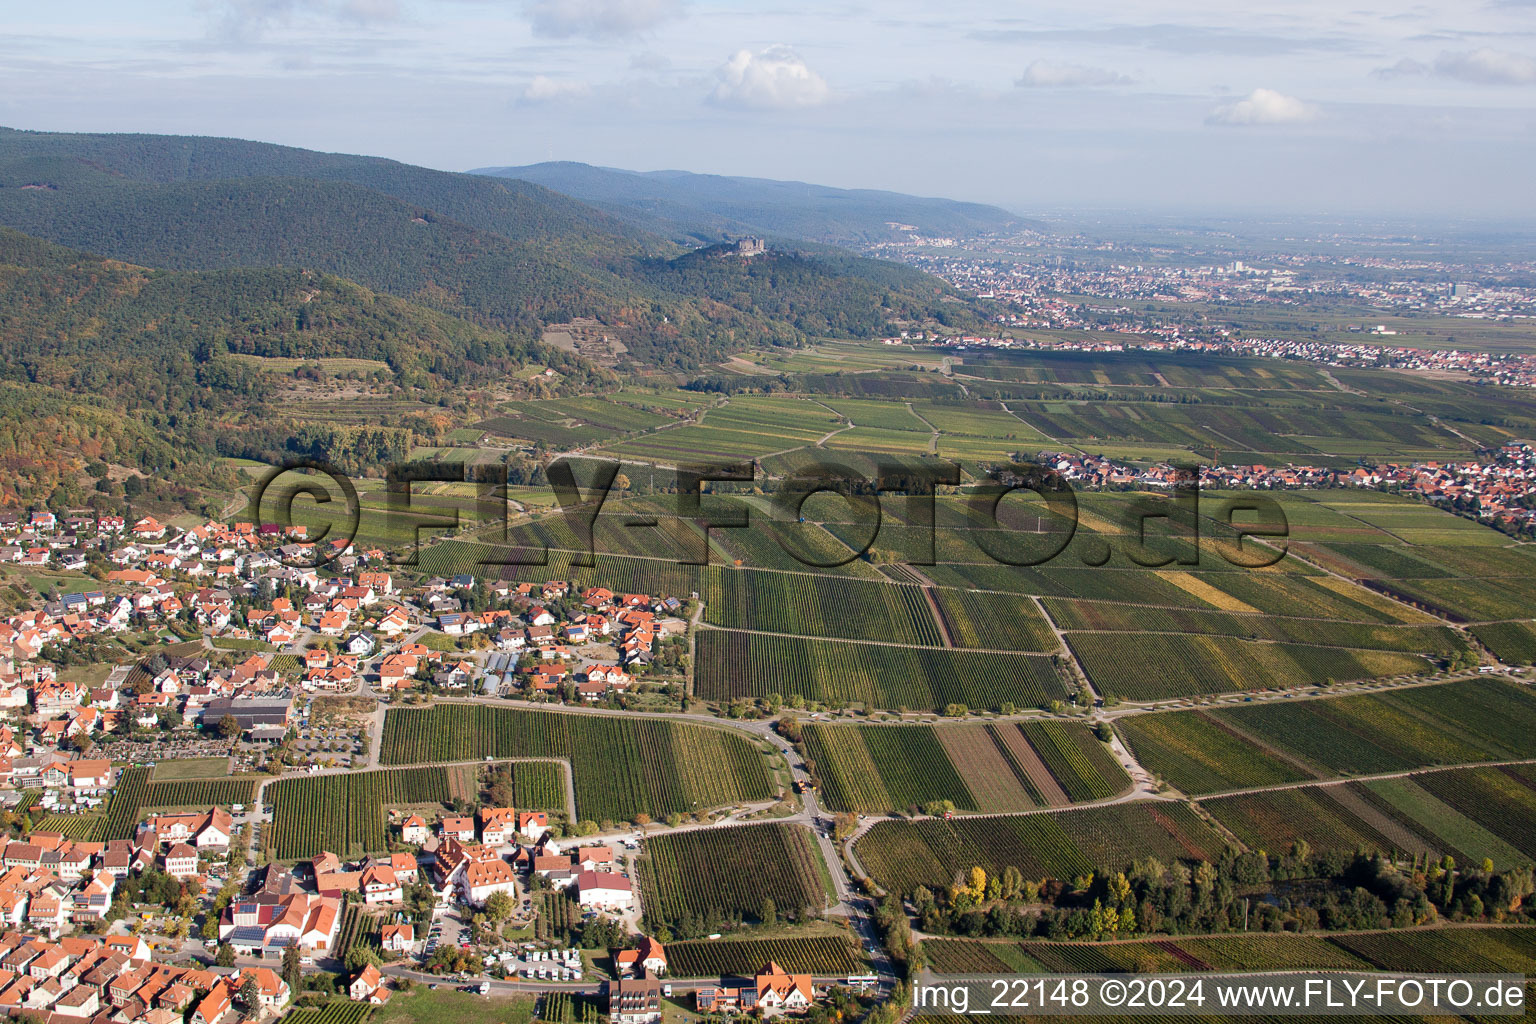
<point x="103" y="327"/>
<point x="798" y="295"/>
<point x="103" y="362"/>
<point x="706" y="206"/>
<point x="338" y="227"/>
<point x="515" y="210"/>
<point x="505" y="254"/>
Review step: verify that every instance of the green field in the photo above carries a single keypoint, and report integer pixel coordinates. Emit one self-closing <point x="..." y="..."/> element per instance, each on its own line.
<point x="190" y="768"/>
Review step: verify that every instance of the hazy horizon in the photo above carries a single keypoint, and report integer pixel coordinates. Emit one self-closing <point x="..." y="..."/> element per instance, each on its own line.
<point x="1426" y="113"/>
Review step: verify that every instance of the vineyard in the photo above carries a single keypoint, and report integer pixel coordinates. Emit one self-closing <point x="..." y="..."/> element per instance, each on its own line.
<point x="1469" y="813"/>
<point x="340" y="1012"/>
<point x="538" y="785"/>
<point x="558" y="916"/>
<point x="345" y="813"/>
<point x="79" y="827"/>
<point x="968" y="956"/>
<point x="568" y="1008"/>
<point x="1201" y="753"/>
<point x="358" y="926"/>
<point x="1511" y="642"/>
<point x="617" y="572"/>
<point x="734" y="664"/>
<point x="901" y="855"/>
<point x="1469" y="950"/>
<point x="827" y="955"/>
<point x="816" y="605"/>
<point x="1157" y="666"/>
<point x="1106" y="616"/>
<point x="708" y="877"/>
<point x="623" y="765"/>
<point x="875" y="769"/>
<point x="135" y="793"/>
<point x="998" y="621"/>
<point x="1077" y="760"/>
<point x="1263" y="744"/>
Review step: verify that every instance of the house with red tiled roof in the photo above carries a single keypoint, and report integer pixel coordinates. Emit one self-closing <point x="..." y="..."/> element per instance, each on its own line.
<point x="397" y="938"/>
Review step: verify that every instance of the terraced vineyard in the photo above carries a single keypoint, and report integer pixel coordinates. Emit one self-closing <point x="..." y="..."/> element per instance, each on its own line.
<point x="1157" y="666"/>
<point x="734" y="664"/>
<point x="1469" y="813"/>
<point x="623" y="765"/>
<point x="708" y="877"/>
<point x="876" y="769"/>
<point x="1235" y="748"/>
<point x="901" y="855"/>
<point x="823" y="956"/>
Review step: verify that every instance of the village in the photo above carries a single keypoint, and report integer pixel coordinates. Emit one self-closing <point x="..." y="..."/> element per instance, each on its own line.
<point x="1496" y="489"/>
<point x="227" y="653"/>
<point x="72" y="950"/>
<point x="238" y="652"/>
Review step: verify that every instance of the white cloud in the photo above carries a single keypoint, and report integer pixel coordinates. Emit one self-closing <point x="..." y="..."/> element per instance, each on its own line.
<point x="1263" y="106"/>
<point x="246" y="21"/>
<point x="599" y="19"/>
<point x="1487" y="66"/>
<point x="1405" y="68"/>
<point x="1042" y="74"/>
<point x="543" y="89"/>
<point x="775" y="79"/>
<point x="650" y="61"/>
<point x="369" y="10"/>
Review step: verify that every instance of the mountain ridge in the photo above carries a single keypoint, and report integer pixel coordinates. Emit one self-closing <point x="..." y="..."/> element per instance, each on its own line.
<point x="703" y="207"/>
<point x="503" y="253"/>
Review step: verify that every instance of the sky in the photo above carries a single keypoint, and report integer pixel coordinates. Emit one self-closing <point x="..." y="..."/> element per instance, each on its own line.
<point x="1307" y="107"/>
